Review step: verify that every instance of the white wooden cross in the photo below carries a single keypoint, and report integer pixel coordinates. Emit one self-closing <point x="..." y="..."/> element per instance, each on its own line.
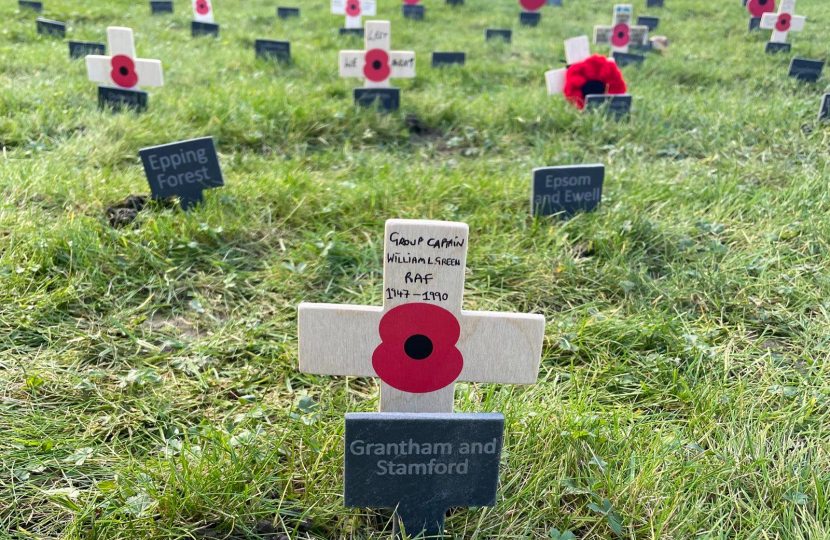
<point x="421" y="341"/>
<point x="377" y="63"/>
<point x="354" y="10"/>
<point x="576" y="50"/>
<point x="621" y="33"/>
<point x="122" y="68"/>
<point x="783" y="22"/>
<point x="202" y="11"/>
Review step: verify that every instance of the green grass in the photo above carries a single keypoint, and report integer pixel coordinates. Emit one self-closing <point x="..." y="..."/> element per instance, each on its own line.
<point x="148" y="375"/>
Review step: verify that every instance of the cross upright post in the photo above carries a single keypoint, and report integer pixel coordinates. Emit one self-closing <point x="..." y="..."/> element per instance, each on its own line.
<point x="621" y="34"/>
<point x="421" y="341"/>
<point x="576" y="50"/>
<point x="354" y="10"/>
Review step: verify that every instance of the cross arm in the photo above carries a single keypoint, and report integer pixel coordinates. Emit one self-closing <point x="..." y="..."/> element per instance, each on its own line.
<point x="797" y="23"/>
<point x="149" y="72"/>
<point x="638" y="34"/>
<point x="768" y="20"/>
<point x="351" y="64"/>
<point x="338" y="339"/>
<point x="402" y="64"/>
<point x="555" y="81"/>
<point x="338" y="7"/>
<point x="98" y="68"/>
<point x="501" y="348"/>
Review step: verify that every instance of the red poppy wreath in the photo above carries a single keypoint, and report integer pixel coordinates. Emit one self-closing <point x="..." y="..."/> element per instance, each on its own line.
<point x="594" y="75"/>
<point x="418" y="351"/>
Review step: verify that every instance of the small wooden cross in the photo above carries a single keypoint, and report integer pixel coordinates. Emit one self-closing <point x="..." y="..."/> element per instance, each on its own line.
<point x="122" y="68"/>
<point x="576" y="50"/>
<point x="421" y="341"/>
<point x="202" y="11"/>
<point x="621" y="33"/>
<point x="783" y="22"/>
<point x="377" y="63"/>
<point x="354" y="10"/>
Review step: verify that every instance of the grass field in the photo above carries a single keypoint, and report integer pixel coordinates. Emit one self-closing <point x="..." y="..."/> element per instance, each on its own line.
<point x="148" y="374"/>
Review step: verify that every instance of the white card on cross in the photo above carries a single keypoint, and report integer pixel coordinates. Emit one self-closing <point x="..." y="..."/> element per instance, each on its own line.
<point x="377" y="63"/>
<point x="354" y="10"/>
<point x="421" y="341"/>
<point x="122" y="68"/>
<point x="783" y="22"/>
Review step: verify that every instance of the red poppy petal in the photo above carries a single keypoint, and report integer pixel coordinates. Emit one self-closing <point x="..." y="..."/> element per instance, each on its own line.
<point x="620" y="35"/>
<point x="758" y="7"/>
<point x="353" y="8"/>
<point x="123" y="71"/>
<point x="202" y="7"/>
<point x="532" y="5"/>
<point x="377" y="67"/>
<point x="595" y="68"/>
<point x="411" y="2"/>
<point x="783" y="23"/>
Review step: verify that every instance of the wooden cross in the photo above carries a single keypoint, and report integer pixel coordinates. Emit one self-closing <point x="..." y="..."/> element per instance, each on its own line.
<point x="621" y="33"/>
<point x="202" y="11"/>
<point x="354" y="10"/>
<point x="783" y="22"/>
<point x="576" y="50"/>
<point x="421" y="341"/>
<point x="377" y="63"/>
<point x="122" y="68"/>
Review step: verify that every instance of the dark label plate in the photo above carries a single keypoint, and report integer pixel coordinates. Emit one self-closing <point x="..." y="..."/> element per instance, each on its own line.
<point x="455" y="2"/>
<point x="566" y="190"/>
<point x="646" y="47"/>
<point x="119" y="99"/>
<point x="28" y="4"/>
<point x="160" y="6"/>
<point x="198" y="28"/>
<point x="496" y="33"/>
<point x="626" y="59"/>
<point x="448" y="59"/>
<point x="654" y="3"/>
<point x="416" y="13"/>
<point x="422" y="465"/>
<point x="557" y="3"/>
<point x="356" y="32"/>
<point x="183" y="169"/>
<point x="386" y="99"/>
<point x="529" y="18"/>
<point x="273" y="49"/>
<point x="805" y="69"/>
<point x="754" y="23"/>
<point x="48" y="27"/>
<point x="775" y="48"/>
<point x="618" y="104"/>
<point x="651" y="22"/>
<point x="81" y="49"/>
<point x="288" y="12"/>
<point x="824" y="111"/>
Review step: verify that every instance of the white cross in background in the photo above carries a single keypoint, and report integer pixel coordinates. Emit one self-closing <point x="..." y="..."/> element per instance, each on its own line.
<point x="783" y="22"/>
<point x="354" y="10"/>
<point x="621" y="33"/>
<point x="377" y="63"/>
<point x="576" y="50"/>
<point x="202" y="11"/>
<point x="421" y="341"/>
<point x="122" y="68"/>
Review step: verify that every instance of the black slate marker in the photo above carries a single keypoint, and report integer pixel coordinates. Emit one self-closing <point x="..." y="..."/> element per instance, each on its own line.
<point x="494" y="33"/>
<point x="273" y="49"/>
<point x="647" y="46"/>
<point x="754" y="23"/>
<point x="618" y="104"/>
<point x="120" y="99"/>
<point x="422" y="465"/>
<point x="416" y="13"/>
<point x="29" y="4"/>
<point x="651" y="22"/>
<point x="775" y="48"/>
<point x="455" y="2"/>
<point x="288" y="12"/>
<point x="566" y="190"/>
<point x="654" y="3"/>
<point x="81" y="49"/>
<point x="356" y="32"/>
<point x="198" y="28"/>
<point x="529" y="18"/>
<point x="557" y="3"/>
<point x="183" y="169"/>
<point x="824" y="111"/>
<point x="386" y="99"/>
<point x="158" y="7"/>
<point x="626" y="59"/>
<point x="805" y="69"/>
<point x="49" y="27"/>
<point x="448" y="59"/>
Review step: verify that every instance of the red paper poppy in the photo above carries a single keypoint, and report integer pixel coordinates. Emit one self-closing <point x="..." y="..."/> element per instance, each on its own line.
<point x="418" y="351"/>
<point x="203" y="7"/>
<point x="532" y="5"/>
<point x="353" y="8"/>
<point x="377" y="65"/>
<point x="783" y="23"/>
<point x="620" y="37"/>
<point x="411" y="2"/>
<point x="757" y="8"/>
<point x="123" y="71"/>
<point x="595" y="75"/>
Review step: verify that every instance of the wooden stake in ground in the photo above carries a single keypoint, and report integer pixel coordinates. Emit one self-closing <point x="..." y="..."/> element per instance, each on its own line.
<point x="621" y="33"/>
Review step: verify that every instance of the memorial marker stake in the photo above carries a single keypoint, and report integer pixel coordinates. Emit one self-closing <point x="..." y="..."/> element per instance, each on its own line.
<point x="781" y="24"/>
<point x="621" y="34"/>
<point x="354" y="10"/>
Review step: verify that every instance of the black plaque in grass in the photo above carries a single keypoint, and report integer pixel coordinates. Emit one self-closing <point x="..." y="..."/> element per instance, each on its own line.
<point x="499" y="33"/>
<point x="267" y="49"/>
<point x="416" y="13"/>
<point x="81" y="49"/>
<point x="455" y="2"/>
<point x="198" y="28"/>
<point x="288" y="12"/>
<point x="448" y="59"/>
<point x="557" y="3"/>
<point x="618" y="105"/>
<point x="529" y="18"/>
<point x="182" y="169"/>
<point x="650" y="22"/>
<point x="421" y="465"/>
<point x="158" y="7"/>
<point x="355" y="32"/>
<point x="47" y="27"/>
<point x="775" y="48"/>
<point x="627" y="59"/>
<point x="120" y="99"/>
<point x="754" y="23"/>
<point x="824" y="111"/>
<point x="805" y="69"/>
<point x="385" y="99"/>
<point x="28" y="4"/>
<point x="566" y="190"/>
<point x="654" y="3"/>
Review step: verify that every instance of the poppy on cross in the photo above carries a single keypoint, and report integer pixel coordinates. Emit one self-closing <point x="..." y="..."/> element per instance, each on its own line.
<point x="354" y="10"/>
<point x="122" y="68"/>
<point x="377" y="63"/>
<point x="783" y="22"/>
<point x="621" y="33"/>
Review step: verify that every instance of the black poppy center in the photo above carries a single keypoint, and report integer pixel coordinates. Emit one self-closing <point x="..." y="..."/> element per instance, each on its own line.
<point x="418" y="347"/>
<point x="593" y="88"/>
<point x="123" y="71"/>
<point x="762" y="2"/>
<point x="620" y="34"/>
<point x="377" y="64"/>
